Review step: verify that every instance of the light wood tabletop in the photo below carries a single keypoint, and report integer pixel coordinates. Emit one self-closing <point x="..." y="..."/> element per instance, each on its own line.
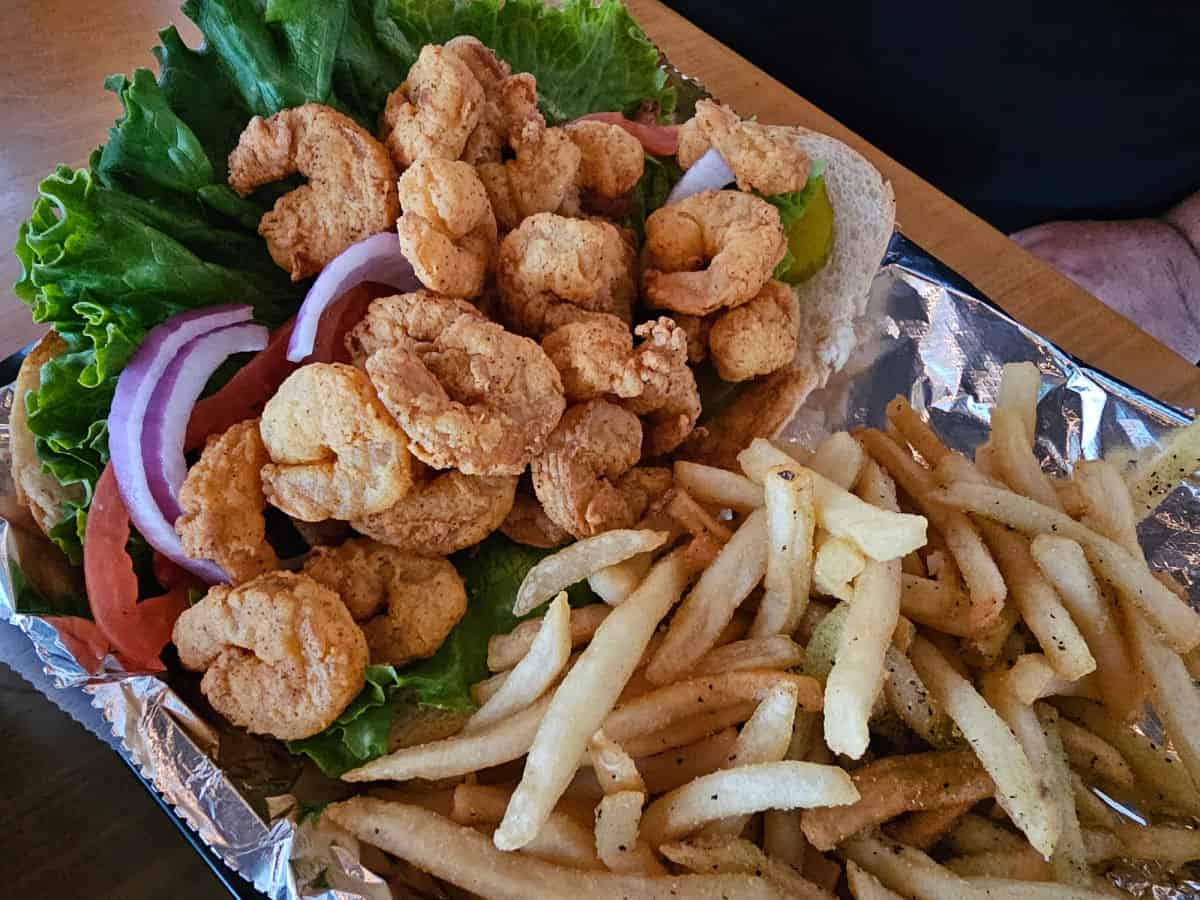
<point x="54" y="55"/>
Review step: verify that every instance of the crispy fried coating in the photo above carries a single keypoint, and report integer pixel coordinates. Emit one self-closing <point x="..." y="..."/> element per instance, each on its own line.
<point x="554" y="270"/>
<point x="528" y="524"/>
<point x="709" y="250"/>
<point x="760" y="159"/>
<point x="540" y="178"/>
<point x="758" y="337"/>
<point x="443" y="513"/>
<point x="335" y="451"/>
<point x="696" y="328"/>
<point x="433" y="113"/>
<point x="447" y="230"/>
<point x="585" y="479"/>
<point x="597" y="358"/>
<point x="611" y="159"/>
<point x="280" y="654"/>
<point x="351" y="190"/>
<point x="222" y="499"/>
<point x="406" y="603"/>
<point x="475" y="398"/>
<point x="409" y="320"/>
<point x="509" y="101"/>
<point x="37" y="488"/>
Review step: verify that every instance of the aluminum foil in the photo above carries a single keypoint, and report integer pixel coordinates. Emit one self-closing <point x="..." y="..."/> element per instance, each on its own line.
<point x="928" y="335"/>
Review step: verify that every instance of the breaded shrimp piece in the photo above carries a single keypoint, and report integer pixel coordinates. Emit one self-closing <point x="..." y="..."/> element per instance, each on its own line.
<point x="443" y="513"/>
<point x="554" y="270"/>
<point x="222" y="499"/>
<point x="761" y="159"/>
<point x="476" y="398"/>
<point x="585" y="478"/>
<point x="611" y="159"/>
<point x="597" y="359"/>
<point x="733" y="239"/>
<point x="280" y="654"/>
<point x="447" y="230"/>
<point x="434" y="111"/>
<point x="351" y="190"/>
<point x="335" y="451"/>
<point x="758" y="337"/>
<point x="540" y="178"/>
<point x="509" y="101"/>
<point x="528" y="524"/>
<point x="407" y="604"/>
<point x="409" y="320"/>
<point x="696" y="328"/>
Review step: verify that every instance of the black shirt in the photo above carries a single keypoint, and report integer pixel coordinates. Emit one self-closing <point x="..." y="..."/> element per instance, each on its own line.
<point x="1023" y="111"/>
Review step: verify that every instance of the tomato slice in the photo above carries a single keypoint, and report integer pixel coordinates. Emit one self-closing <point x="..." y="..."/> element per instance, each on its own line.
<point x="138" y="631"/>
<point x="83" y="640"/>
<point x="657" y="140"/>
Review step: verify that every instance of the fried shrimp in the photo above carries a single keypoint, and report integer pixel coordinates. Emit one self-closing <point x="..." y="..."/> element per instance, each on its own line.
<point x="737" y="236"/>
<point x="222" y="499"/>
<point x="509" y="101"/>
<point x="585" y="479"/>
<point x="351" y="190"/>
<point x="758" y="337"/>
<point x="597" y="358"/>
<point x="335" y="452"/>
<point x="406" y="603"/>
<point x="553" y="270"/>
<point x="434" y="111"/>
<point x="473" y="396"/>
<point x="611" y="159"/>
<point x="280" y="654"/>
<point x="696" y="328"/>
<point x="762" y="158"/>
<point x="443" y="513"/>
<point x="409" y="320"/>
<point x="541" y="178"/>
<point x="447" y="230"/>
<point x="528" y="523"/>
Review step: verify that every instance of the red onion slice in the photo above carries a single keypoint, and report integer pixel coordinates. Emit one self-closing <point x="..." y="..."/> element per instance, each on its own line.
<point x="172" y="403"/>
<point x="709" y="173"/>
<point x="126" y="425"/>
<point x="377" y="258"/>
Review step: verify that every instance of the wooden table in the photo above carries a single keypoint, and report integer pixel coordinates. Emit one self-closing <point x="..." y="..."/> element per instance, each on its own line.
<point x="53" y="57"/>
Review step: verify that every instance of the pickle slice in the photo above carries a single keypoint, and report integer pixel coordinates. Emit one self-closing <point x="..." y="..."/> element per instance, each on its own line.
<point x="811" y="238"/>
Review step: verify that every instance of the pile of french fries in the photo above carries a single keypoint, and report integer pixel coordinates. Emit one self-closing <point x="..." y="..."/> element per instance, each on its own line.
<point x="878" y="666"/>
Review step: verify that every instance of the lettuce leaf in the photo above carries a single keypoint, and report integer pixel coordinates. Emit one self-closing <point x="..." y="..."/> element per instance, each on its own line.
<point x="491" y="572"/>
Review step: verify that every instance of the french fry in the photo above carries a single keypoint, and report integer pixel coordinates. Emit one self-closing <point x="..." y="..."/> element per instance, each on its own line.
<point x="1022" y="865"/>
<point x="536" y="671"/>
<point x="987" y="645"/>
<point x="745" y="790"/>
<point x="1013" y="889"/>
<point x="762" y="456"/>
<point x="614" y="584"/>
<point x="789" y="525"/>
<point x="562" y="840"/>
<point x="1091" y="753"/>
<point x="899" y="784"/>
<point x="719" y="487"/>
<point x="1017" y="787"/>
<point x="839" y="458"/>
<point x="461" y="856"/>
<point x="731" y="854"/>
<point x="1069" y="862"/>
<point x="1019" y="468"/>
<point x="782" y="838"/>
<point x="1062" y="561"/>
<point x="1178" y="622"/>
<point x="905" y="870"/>
<point x="452" y="757"/>
<point x="666" y="771"/>
<point x="865" y="886"/>
<point x="694" y="518"/>
<point x="924" y="828"/>
<point x="775" y="652"/>
<point x="1039" y="604"/>
<point x="1032" y="678"/>
<point x="978" y="834"/>
<point x="937" y="605"/>
<point x="1093" y="812"/>
<point x="618" y="844"/>
<point x="985" y="585"/>
<point x="1167" y="844"/>
<point x="709" y="606"/>
<point x="577" y="561"/>
<point x="506" y="650"/>
<point x="482" y="691"/>
<point x="1154" y="477"/>
<point x="908" y="697"/>
<point x="1109" y="508"/>
<point x="584" y="698"/>
<point x="836" y="564"/>
<point x="687" y="730"/>
<point x="614" y="768"/>
<point x="1020" y="385"/>
<point x="916" y="431"/>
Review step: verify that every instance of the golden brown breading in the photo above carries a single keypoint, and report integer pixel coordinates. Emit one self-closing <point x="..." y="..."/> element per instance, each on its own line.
<point x="541" y="178"/>
<point x="509" y="101"/>
<point x="761" y="159"/>
<point x="433" y="113"/>
<point x="758" y="337"/>
<point x="611" y="159"/>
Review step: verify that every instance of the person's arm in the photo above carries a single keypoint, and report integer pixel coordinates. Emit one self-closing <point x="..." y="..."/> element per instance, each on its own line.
<point x="1146" y="269"/>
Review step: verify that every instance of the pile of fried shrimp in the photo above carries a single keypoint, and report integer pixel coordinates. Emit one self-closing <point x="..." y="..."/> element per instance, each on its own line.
<point x="873" y="662"/>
